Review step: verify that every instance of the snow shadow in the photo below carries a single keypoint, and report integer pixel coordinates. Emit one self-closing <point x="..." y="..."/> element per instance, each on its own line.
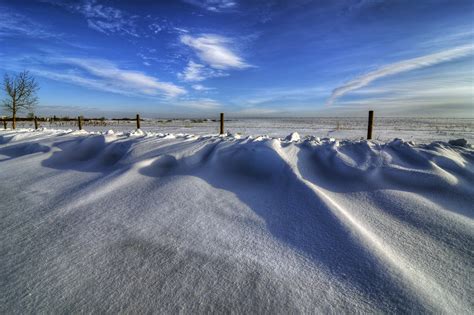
<point x="367" y="166"/>
<point x="438" y="172"/>
<point x="5" y="139"/>
<point x="294" y="215"/>
<point x="89" y="154"/>
<point x="21" y="149"/>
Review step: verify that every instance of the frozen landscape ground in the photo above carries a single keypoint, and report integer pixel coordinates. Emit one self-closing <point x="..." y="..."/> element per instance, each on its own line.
<point x="145" y="221"/>
<point x="423" y="130"/>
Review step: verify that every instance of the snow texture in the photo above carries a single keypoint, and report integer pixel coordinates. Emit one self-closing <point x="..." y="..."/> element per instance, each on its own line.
<point x="140" y="222"/>
<point x="419" y="130"/>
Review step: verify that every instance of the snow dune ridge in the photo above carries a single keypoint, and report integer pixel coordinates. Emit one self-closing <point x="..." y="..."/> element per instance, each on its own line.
<point x="296" y="224"/>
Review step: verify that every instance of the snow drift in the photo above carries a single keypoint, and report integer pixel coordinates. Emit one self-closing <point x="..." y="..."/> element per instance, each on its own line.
<point x="144" y="222"/>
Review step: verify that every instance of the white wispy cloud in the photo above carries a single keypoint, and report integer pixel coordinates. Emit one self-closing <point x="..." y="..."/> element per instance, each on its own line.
<point x="128" y="80"/>
<point x="180" y="30"/>
<point x="152" y="26"/>
<point x="16" y="24"/>
<point x="107" y="19"/>
<point x="399" y="67"/>
<point x="195" y="72"/>
<point x="102" y="18"/>
<point x="79" y="79"/>
<point x="214" y="5"/>
<point x="149" y="58"/>
<point x="92" y="9"/>
<point x="448" y="86"/>
<point x="101" y="75"/>
<point x="287" y="94"/>
<point x="214" y="51"/>
<point x="155" y="28"/>
<point x="200" y="87"/>
<point x="201" y="104"/>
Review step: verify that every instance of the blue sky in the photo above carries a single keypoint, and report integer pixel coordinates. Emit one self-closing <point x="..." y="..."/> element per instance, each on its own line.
<point x="245" y="58"/>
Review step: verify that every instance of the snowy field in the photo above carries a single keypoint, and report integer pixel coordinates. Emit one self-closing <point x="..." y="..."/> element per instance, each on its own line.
<point x="141" y="222"/>
<point x="420" y="130"/>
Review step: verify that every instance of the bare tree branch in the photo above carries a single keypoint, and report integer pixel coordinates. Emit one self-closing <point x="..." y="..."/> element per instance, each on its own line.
<point x="21" y="93"/>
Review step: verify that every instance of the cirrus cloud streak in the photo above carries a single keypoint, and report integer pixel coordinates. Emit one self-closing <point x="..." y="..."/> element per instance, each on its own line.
<point x="399" y="67"/>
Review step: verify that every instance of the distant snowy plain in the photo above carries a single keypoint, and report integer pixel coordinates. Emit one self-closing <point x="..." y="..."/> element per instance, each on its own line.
<point x="423" y="130"/>
<point x="142" y="222"/>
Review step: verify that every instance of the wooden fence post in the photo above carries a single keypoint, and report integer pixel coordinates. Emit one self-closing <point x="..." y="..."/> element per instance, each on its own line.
<point x="222" y="124"/>
<point x="79" y="122"/>
<point x="36" y="122"/>
<point x="371" y="123"/>
<point x="138" y="121"/>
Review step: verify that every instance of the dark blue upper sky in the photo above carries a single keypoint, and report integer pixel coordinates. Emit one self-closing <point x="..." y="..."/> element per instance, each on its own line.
<point x="247" y="58"/>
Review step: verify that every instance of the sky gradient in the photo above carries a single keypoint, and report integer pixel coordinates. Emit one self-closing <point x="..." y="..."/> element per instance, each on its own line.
<point x="246" y="58"/>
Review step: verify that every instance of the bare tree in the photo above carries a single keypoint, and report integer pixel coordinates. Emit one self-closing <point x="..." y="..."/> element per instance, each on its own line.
<point x="21" y="93"/>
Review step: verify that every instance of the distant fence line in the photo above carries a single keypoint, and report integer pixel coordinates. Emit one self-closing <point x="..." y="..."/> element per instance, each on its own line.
<point x="55" y="119"/>
<point x="101" y="121"/>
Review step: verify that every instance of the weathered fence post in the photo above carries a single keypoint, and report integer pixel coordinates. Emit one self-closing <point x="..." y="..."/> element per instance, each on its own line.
<point x="79" y="122"/>
<point x="36" y="122"/>
<point x="222" y="124"/>
<point x="138" y="121"/>
<point x="5" y="124"/>
<point x="371" y="123"/>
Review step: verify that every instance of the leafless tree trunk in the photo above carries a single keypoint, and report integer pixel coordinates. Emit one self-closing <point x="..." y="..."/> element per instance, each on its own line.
<point x="21" y="94"/>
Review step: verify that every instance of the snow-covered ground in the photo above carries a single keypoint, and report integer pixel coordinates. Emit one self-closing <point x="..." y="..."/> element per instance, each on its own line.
<point x="140" y="222"/>
<point x="421" y="130"/>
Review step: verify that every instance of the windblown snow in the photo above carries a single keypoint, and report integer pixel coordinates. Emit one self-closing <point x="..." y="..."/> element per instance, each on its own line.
<point x="145" y="222"/>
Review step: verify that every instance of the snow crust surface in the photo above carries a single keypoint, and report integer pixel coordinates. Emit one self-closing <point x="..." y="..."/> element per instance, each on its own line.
<point x="422" y="130"/>
<point x="148" y="222"/>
